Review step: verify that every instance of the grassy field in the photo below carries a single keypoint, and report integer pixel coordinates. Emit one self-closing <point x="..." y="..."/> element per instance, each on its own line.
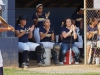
<point x="13" y="71"/>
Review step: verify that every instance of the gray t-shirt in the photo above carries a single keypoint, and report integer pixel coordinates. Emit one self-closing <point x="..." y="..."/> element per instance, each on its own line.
<point x="89" y="28"/>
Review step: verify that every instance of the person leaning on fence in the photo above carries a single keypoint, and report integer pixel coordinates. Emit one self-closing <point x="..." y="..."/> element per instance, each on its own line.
<point x="67" y="30"/>
<point x="92" y="34"/>
<point x="24" y="33"/>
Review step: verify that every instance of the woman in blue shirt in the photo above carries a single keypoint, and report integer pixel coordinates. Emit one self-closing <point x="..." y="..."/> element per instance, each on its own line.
<point x="67" y="30"/>
<point x="92" y="35"/>
<point x="47" y="35"/>
<point x="38" y="19"/>
<point x="24" y="33"/>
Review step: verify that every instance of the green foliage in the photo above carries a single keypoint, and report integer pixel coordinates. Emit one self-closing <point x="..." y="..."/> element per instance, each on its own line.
<point x="13" y="71"/>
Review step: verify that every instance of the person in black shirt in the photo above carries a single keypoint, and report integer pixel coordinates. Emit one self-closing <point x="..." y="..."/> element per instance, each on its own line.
<point x="38" y="19"/>
<point x="68" y="40"/>
<point x="24" y="34"/>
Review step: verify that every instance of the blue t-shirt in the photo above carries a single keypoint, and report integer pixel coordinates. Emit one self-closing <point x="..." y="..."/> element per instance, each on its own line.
<point x="24" y="38"/>
<point x="69" y="39"/>
<point x="77" y="17"/>
<point x="48" y="37"/>
<point x="89" y="28"/>
<point x="41" y="18"/>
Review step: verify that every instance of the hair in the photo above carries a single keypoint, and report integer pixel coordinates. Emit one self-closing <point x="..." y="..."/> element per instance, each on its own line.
<point x="65" y="21"/>
<point x="45" y="21"/>
<point x="18" y="19"/>
<point x="92" y="20"/>
<point x="39" y="5"/>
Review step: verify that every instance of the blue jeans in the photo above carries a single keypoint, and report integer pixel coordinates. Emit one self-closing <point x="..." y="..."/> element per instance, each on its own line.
<point x="65" y="47"/>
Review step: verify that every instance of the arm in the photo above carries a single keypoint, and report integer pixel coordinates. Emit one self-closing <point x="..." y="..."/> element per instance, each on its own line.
<point x="30" y="33"/>
<point x="52" y="36"/>
<point x="74" y="34"/>
<point x="42" y="35"/>
<point x="18" y="34"/>
<point x="98" y="29"/>
<point x="4" y="29"/>
<point x="35" y="19"/>
<point x="61" y="37"/>
<point x="89" y="35"/>
<point x="99" y="32"/>
<point x="81" y="24"/>
<point x="64" y="34"/>
<point x="4" y="25"/>
<point x="73" y="21"/>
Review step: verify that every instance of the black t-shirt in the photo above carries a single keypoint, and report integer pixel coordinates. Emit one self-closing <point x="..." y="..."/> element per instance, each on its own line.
<point x="89" y="28"/>
<point x="77" y="17"/>
<point x="24" y="38"/>
<point x="41" y="18"/>
<point x="69" y="39"/>
<point x="48" y="36"/>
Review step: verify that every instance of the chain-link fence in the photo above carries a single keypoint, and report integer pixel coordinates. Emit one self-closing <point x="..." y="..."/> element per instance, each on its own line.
<point x="92" y="16"/>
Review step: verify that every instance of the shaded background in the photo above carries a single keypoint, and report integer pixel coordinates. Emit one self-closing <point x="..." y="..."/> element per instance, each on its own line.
<point x="59" y="10"/>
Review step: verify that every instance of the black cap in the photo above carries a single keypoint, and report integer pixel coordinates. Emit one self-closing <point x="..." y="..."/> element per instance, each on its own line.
<point x="22" y="17"/>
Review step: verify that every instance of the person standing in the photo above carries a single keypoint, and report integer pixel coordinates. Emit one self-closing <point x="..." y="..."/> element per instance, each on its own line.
<point x="38" y="19"/>
<point x="3" y="29"/>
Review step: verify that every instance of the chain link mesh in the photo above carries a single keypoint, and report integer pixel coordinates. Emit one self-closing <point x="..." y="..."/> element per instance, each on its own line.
<point x="92" y="18"/>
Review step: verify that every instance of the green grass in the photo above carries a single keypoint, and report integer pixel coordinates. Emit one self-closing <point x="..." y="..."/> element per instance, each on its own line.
<point x="13" y="71"/>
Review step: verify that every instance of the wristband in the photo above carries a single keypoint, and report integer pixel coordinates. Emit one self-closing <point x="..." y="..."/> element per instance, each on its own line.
<point x="70" y="31"/>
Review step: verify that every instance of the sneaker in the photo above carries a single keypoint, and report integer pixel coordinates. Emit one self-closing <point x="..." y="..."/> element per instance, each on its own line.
<point x="24" y="65"/>
<point x="41" y="64"/>
<point x="61" y="63"/>
<point x="27" y="64"/>
<point x="56" y="62"/>
<point x="76" y="63"/>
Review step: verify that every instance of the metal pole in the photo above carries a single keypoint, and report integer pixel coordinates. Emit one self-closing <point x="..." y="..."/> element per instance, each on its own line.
<point x="85" y="32"/>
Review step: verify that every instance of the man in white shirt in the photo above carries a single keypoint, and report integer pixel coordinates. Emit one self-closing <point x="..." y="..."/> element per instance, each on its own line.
<point x="5" y="28"/>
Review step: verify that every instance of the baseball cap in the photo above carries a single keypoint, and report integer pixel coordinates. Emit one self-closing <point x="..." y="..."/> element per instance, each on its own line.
<point x="22" y="17"/>
<point x="1" y="2"/>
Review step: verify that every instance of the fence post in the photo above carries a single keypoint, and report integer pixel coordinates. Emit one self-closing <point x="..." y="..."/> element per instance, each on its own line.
<point x="85" y="32"/>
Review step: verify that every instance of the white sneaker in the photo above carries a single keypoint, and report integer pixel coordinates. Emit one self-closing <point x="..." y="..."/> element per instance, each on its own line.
<point x="61" y="63"/>
<point x="24" y="65"/>
<point x="76" y="63"/>
<point x="41" y="64"/>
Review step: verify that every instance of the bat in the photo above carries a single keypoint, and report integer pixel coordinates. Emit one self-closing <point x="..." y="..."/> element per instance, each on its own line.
<point x="70" y="56"/>
<point x="6" y="23"/>
<point x="89" y="59"/>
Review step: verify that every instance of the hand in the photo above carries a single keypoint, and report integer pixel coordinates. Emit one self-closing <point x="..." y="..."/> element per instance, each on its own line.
<point x="73" y="27"/>
<point x="37" y="16"/>
<point x="95" y="32"/>
<point x="9" y="28"/>
<point x="32" y="28"/>
<point x="98" y="26"/>
<point x="47" y="30"/>
<point x="91" y="33"/>
<point x="12" y="28"/>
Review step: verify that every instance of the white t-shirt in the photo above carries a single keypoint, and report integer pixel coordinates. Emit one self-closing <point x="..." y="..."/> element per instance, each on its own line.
<point x="1" y="60"/>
